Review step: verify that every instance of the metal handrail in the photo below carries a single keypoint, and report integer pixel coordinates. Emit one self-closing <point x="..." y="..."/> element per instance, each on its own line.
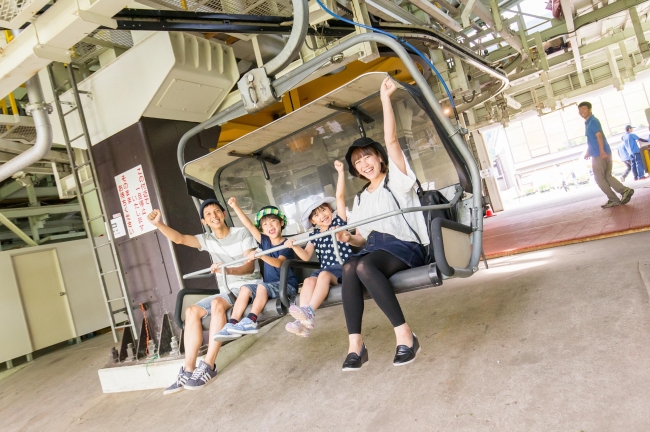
<point x="459" y="192"/>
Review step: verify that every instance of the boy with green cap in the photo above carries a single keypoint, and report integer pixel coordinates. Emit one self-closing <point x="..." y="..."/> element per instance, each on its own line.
<point x="270" y="220"/>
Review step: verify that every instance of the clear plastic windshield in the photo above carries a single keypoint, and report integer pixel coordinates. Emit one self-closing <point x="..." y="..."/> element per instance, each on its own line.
<point x="306" y="166"/>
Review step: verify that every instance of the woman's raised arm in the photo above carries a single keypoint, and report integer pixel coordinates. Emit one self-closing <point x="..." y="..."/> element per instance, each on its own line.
<point x="388" y="87"/>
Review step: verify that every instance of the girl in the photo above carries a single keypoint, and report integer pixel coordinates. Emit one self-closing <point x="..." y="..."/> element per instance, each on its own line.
<point x="316" y="287"/>
<point x="390" y="245"/>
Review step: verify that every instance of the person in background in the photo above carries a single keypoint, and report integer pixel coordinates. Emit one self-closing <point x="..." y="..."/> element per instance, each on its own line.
<point x="630" y="139"/>
<point x="625" y="158"/>
<point x="601" y="160"/>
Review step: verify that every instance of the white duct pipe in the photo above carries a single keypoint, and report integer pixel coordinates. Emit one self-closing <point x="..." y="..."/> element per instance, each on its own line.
<point x="39" y="112"/>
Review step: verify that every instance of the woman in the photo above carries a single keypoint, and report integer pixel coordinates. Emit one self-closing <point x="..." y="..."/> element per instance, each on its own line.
<point x="389" y="245"/>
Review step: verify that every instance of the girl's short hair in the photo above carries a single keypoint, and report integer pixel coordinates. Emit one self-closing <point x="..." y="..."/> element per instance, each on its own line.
<point x="360" y="152"/>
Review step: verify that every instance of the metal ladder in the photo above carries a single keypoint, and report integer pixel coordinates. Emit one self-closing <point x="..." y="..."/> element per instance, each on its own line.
<point x="88" y="161"/>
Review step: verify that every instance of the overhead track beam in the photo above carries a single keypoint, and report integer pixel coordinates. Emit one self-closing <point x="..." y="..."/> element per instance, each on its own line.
<point x="481" y="11"/>
<point x="395" y="12"/>
<point x="638" y="31"/>
<point x="437" y="14"/>
<point x="157" y="20"/>
<point x="579" y="21"/>
<point x="567" y="9"/>
<point x="14" y="213"/>
<point x="20" y="233"/>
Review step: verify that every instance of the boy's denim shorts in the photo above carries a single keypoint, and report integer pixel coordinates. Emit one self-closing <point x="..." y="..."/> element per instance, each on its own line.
<point x="206" y="303"/>
<point x="272" y="289"/>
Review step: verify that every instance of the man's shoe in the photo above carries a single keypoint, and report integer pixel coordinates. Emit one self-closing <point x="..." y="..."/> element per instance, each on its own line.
<point x="303" y="314"/>
<point x="244" y="327"/>
<point x="610" y="203"/>
<point x="405" y="355"/>
<point x="297" y="328"/>
<point x="627" y="195"/>
<point x="201" y="377"/>
<point x="181" y="379"/>
<point x="225" y="335"/>
<point x="354" y="361"/>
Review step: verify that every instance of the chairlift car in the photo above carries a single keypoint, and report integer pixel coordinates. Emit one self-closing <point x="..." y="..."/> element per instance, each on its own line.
<point x="291" y="159"/>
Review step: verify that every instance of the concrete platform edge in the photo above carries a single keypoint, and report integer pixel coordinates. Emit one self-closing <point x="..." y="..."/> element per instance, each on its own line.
<point x="161" y="374"/>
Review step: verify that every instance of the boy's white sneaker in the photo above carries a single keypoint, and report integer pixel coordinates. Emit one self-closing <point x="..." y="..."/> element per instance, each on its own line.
<point x="225" y="335"/>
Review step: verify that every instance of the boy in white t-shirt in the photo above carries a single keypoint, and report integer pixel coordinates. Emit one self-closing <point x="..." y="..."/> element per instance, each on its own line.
<point x="225" y="245"/>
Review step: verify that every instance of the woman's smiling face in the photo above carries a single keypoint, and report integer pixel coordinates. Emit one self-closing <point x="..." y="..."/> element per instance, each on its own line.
<point x="368" y="163"/>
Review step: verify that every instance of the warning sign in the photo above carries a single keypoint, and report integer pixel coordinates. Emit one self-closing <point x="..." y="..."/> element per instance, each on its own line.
<point x="136" y="204"/>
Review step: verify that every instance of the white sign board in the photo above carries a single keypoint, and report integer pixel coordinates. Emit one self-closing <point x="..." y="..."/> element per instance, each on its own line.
<point x="134" y="197"/>
<point x="117" y="224"/>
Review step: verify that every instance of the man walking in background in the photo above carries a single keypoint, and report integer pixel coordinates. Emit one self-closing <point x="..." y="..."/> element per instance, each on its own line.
<point x="601" y="159"/>
<point x="626" y="159"/>
<point x="632" y="148"/>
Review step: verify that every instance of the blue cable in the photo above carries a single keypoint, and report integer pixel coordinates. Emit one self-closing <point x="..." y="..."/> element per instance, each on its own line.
<point x="398" y="39"/>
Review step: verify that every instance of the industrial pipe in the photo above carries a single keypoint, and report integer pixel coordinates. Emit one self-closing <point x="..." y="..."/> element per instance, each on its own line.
<point x="296" y="39"/>
<point x="39" y="112"/>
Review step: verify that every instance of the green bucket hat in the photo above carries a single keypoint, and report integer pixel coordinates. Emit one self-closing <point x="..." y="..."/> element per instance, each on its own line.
<point x="270" y="210"/>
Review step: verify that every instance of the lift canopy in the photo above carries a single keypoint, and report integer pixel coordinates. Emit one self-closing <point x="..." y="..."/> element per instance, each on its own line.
<point x="318" y="123"/>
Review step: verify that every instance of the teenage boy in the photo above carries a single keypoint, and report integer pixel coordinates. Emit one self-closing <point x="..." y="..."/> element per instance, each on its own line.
<point x="271" y="221"/>
<point x="224" y="245"/>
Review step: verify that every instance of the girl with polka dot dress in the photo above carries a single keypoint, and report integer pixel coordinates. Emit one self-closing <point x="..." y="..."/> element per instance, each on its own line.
<point x="320" y="215"/>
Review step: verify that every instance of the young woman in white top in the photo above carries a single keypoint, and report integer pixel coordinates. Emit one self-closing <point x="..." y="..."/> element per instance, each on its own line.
<point x="389" y="245"/>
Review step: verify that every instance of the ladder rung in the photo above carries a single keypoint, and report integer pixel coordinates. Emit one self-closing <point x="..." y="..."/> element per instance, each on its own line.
<point x="89" y="191"/>
<point x="115" y="312"/>
<point x="95" y="218"/>
<point x="108" y="272"/>
<point x="76" y="138"/>
<point x="65" y="83"/>
<point x="116" y="299"/>
<point x="123" y="326"/>
<point x="71" y="110"/>
<point x="82" y="165"/>
<point x="102" y="245"/>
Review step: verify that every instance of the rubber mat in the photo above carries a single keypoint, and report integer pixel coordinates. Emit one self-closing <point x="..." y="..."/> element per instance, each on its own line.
<point x="575" y="217"/>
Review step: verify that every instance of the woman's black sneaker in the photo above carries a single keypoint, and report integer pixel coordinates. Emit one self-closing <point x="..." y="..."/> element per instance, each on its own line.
<point x="354" y="361"/>
<point x="405" y="355"/>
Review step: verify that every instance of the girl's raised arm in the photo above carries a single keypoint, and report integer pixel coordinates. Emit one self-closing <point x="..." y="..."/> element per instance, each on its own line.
<point x="340" y="191"/>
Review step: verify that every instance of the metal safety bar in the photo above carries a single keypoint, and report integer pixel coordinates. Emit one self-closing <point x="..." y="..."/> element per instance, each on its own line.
<point x="333" y="233"/>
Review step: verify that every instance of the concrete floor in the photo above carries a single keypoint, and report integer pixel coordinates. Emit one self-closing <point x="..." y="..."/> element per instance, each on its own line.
<point x="554" y="340"/>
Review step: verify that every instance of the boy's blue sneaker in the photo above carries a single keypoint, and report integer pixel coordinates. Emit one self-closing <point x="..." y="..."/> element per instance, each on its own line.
<point x="303" y="314"/>
<point x="225" y="334"/>
<point x="202" y="376"/>
<point x="178" y="385"/>
<point x="244" y="327"/>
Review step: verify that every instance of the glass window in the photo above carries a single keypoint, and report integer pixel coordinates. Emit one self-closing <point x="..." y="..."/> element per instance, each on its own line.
<point x="306" y="166"/>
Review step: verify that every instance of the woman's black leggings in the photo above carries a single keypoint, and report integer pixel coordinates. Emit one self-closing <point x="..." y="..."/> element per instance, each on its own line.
<point x="372" y="271"/>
